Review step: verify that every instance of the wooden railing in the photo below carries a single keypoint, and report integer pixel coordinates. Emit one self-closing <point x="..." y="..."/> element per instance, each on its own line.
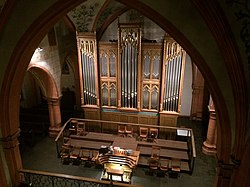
<point x="101" y="123"/>
<point x="48" y="179"/>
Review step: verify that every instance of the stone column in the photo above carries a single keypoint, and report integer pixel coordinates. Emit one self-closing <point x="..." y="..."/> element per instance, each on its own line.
<point x="11" y="160"/>
<point x="209" y="146"/>
<point x="197" y="95"/>
<point x="223" y="174"/>
<point x="54" y="116"/>
<point x="3" y="181"/>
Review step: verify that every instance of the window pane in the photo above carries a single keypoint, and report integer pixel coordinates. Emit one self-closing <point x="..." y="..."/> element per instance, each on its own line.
<point x="113" y="95"/>
<point x="146" y="72"/>
<point x="104" y="95"/>
<point x="154" y="102"/>
<point x="156" y="63"/>
<point x="104" y="65"/>
<point x="146" y="97"/>
<point x="112" y="65"/>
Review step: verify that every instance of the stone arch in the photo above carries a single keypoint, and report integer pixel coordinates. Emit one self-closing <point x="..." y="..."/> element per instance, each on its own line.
<point x="51" y="13"/>
<point x="46" y="81"/>
<point x="71" y="57"/>
<point x="51" y="94"/>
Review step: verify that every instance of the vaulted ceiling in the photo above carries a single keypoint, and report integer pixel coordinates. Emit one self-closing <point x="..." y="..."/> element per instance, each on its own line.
<point x="101" y="16"/>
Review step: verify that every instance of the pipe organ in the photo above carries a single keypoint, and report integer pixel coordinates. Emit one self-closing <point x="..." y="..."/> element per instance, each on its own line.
<point x="88" y="69"/>
<point x="129" y="51"/>
<point x="108" y="74"/>
<point x="133" y="74"/>
<point x="151" y="63"/>
<point x="172" y="79"/>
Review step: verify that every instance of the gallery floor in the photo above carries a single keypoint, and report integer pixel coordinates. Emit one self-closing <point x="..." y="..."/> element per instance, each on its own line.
<point x="42" y="156"/>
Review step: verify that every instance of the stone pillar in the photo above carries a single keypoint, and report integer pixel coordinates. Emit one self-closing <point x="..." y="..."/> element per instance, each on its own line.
<point x="11" y="160"/>
<point x="209" y="146"/>
<point x="54" y="116"/>
<point x="223" y="174"/>
<point x="3" y="179"/>
<point x="197" y="95"/>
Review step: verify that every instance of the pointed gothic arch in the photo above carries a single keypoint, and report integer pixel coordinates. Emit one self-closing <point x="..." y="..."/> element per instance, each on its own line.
<point x="51" y="13"/>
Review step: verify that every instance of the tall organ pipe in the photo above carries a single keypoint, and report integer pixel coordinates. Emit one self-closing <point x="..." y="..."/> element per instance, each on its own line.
<point x="132" y="76"/>
<point x="88" y="87"/>
<point x="170" y="84"/>
<point x="122" y="73"/>
<point x="84" y="81"/>
<point x="85" y="77"/>
<point x="128" y="73"/>
<point x="125" y="77"/>
<point x="173" y="85"/>
<point x="91" y="79"/>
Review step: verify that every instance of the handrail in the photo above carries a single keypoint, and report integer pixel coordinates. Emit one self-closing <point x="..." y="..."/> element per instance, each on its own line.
<point x="133" y="124"/>
<point x="124" y="123"/>
<point x="193" y="144"/>
<point x="71" y="177"/>
<point x="62" y="129"/>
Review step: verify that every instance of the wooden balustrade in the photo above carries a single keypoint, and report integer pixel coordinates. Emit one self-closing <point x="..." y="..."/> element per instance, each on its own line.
<point x="184" y="150"/>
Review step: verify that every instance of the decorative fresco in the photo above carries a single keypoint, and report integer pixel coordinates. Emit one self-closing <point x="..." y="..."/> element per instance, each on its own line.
<point x="242" y="13"/>
<point x="111" y="9"/>
<point x="83" y="16"/>
<point x="2" y="4"/>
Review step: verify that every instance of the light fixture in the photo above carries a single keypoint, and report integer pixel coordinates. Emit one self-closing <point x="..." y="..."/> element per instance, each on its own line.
<point x="39" y="49"/>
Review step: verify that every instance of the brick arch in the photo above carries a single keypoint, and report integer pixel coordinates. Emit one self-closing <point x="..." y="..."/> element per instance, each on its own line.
<point x="46" y="81"/>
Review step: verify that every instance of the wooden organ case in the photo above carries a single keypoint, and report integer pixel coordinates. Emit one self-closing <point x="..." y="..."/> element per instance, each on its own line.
<point x="131" y="80"/>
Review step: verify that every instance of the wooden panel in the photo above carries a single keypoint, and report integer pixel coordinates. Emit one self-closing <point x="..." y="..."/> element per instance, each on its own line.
<point x="110" y="116"/>
<point x="168" y="119"/>
<point x="143" y="120"/>
<point x="133" y="119"/>
<point x="149" y="120"/>
<point x="92" y="113"/>
<point x="153" y="120"/>
<point x="123" y="118"/>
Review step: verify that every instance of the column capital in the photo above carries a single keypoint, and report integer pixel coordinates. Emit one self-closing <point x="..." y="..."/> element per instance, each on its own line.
<point x="53" y="100"/>
<point x="211" y="110"/>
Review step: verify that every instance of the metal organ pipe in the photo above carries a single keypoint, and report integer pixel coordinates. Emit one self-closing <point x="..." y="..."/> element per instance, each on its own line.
<point x="133" y="77"/>
<point x="91" y="79"/>
<point x="126" y="78"/>
<point x="179" y="78"/>
<point x="167" y="100"/>
<point x="84" y="80"/>
<point x="122" y="80"/>
<point x="173" y="84"/>
<point x="176" y="74"/>
<point x="128" y="74"/>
